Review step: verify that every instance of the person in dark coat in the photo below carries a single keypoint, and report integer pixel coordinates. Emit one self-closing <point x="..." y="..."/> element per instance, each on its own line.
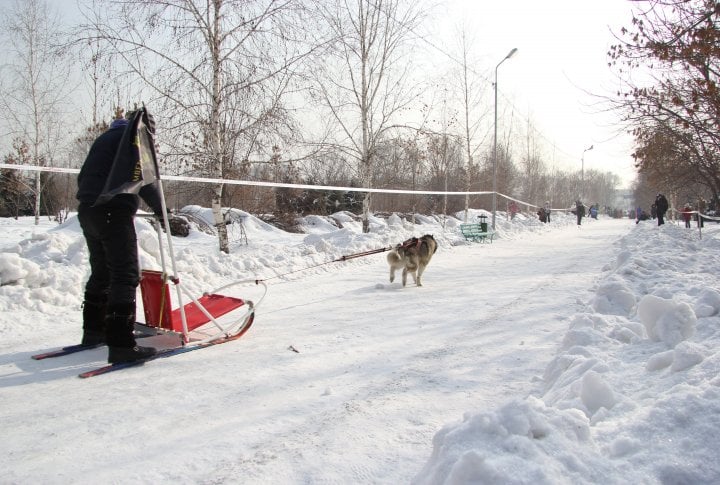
<point x="109" y="230"/>
<point x="542" y="215"/>
<point x="662" y="206"/>
<point x="579" y="211"/>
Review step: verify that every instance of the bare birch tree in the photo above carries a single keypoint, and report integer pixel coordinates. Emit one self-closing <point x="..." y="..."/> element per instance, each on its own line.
<point x="34" y="82"/>
<point x="219" y="69"/>
<point x="472" y="92"/>
<point x="532" y="166"/>
<point x="364" y="84"/>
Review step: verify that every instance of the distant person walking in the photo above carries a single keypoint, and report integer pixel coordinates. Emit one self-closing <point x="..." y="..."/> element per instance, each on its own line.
<point x="579" y="211"/>
<point x="594" y="211"/>
<point x="661" y="204"/>
<point x="687" y="215"/>
<point x="542" y="215"/>
<point x="513" y="209"/>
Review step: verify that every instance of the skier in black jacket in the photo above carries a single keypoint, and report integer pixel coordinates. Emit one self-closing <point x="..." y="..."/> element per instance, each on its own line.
<point x="109" y="230"/>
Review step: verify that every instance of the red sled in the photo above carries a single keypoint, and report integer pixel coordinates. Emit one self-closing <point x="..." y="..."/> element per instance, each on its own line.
<point x="197" y="321"/>
<point x="211" y="317"/>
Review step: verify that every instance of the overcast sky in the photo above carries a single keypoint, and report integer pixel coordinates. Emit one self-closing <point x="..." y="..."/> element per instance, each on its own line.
<point x="560" y="64"/>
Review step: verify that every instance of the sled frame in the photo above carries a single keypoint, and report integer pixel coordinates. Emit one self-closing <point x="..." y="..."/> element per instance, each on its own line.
<point x="197" y="321"/>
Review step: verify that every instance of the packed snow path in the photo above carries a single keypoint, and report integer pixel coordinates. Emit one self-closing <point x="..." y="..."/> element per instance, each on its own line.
<point x="406" y="361"/>
<point x="344" y="378"/>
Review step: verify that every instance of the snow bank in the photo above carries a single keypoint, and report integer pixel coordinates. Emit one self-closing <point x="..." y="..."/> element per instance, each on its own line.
<point x="634" y="383"/>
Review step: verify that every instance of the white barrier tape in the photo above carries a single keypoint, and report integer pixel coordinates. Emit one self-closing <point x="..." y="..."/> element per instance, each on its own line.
<point x="37" y="168"/>
<point x="179" y="178"/>
<point x="704" y="216"/>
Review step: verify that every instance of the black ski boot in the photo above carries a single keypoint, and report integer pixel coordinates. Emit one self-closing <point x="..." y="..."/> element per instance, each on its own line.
<point x="94" y="308"/>
<point x="120" y="323"/>
<point x="117" y="355"/>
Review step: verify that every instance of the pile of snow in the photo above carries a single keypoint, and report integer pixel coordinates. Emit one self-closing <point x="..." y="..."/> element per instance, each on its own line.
<point x="633" y="395"/>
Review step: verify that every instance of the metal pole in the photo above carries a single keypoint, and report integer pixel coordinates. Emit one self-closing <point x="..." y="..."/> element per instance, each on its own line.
<point x="494" y="199"/>
<point x="494" y="186"/>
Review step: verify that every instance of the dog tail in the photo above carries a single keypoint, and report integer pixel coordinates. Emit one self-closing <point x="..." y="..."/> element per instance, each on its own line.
<point x="393" y="257"/>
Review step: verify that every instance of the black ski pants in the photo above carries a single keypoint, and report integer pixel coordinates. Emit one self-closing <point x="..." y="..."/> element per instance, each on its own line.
<point x="112" y="244"/>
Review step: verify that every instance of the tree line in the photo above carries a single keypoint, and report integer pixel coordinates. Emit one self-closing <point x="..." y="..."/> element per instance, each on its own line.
<point x="669" y="61"/>
<point x="323" y="92"/>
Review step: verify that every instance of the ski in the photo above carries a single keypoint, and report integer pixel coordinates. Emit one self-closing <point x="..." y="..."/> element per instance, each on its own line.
<point x="70" y="349"/>
<point x="124" y="365"/>
<point x="163" y="354"/>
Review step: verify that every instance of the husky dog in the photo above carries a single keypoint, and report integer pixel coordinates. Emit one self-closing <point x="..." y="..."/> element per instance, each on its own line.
<point x="412" y="257"/>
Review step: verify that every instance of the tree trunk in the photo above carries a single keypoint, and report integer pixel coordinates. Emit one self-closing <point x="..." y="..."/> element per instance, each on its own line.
<point x="37" y="198"/>
<point x="219" y="219"/>
<point x="366" y="212"/>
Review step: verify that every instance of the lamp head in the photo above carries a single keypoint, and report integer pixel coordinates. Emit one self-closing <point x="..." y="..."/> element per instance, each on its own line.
<point x="511" y="53"/>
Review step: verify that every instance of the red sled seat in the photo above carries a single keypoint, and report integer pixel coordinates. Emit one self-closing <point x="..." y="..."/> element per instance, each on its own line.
<point x="157" y="305"/>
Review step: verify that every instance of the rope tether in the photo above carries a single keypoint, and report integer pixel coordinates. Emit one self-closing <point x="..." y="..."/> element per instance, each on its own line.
<point x="341" y="258"/>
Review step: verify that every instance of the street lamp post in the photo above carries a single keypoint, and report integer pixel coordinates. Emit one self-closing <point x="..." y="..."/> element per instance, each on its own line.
<point x="494" y="199"/>
<point x="582" y="169"/>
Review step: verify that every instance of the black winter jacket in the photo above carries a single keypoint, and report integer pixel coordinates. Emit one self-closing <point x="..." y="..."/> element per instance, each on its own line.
<point x="96" y="170"/>
<point x="662" y="204"/>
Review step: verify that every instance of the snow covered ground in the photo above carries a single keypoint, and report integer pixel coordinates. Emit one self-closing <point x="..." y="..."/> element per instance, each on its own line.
<point x="555" y="355"/>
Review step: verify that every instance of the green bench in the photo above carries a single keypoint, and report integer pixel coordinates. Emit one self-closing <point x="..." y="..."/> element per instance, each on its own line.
<point x="476" y="232"/>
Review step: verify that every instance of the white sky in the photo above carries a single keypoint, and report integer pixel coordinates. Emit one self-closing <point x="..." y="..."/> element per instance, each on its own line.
<point x="562" y="55"/>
